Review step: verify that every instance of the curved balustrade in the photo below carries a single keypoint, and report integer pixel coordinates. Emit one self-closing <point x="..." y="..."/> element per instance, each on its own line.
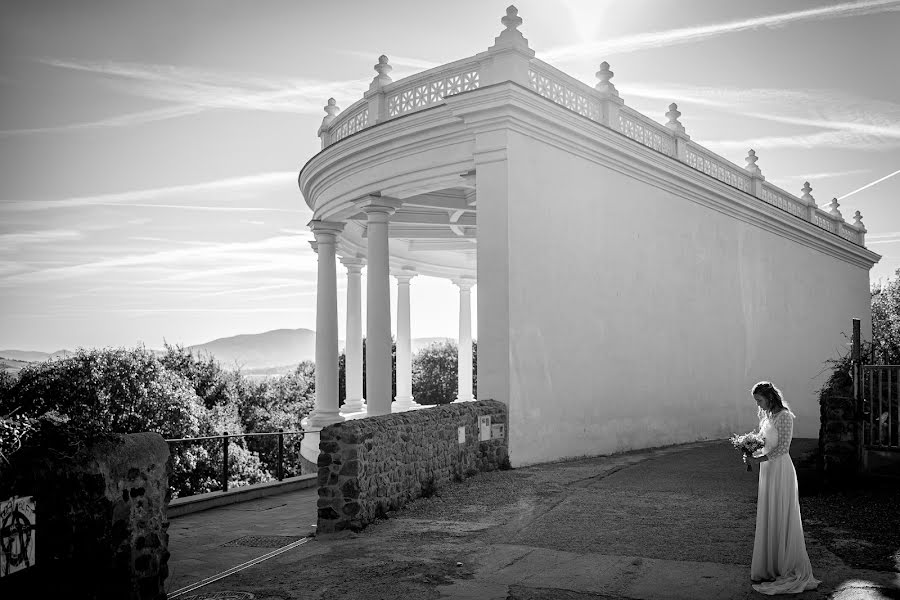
<point x="431" y="87"/>
<point x="602" y="105"/>
<point x="355" y="118"/>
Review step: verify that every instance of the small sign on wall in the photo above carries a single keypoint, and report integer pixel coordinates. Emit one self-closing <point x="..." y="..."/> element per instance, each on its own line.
<point x="484" y="428"/>
<point x="16" y="534"/>
<point x="498" y="432"/>
<point x="461" y="434"/>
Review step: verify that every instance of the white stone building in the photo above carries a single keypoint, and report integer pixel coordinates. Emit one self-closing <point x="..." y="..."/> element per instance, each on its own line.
<point x="632" y="285"/>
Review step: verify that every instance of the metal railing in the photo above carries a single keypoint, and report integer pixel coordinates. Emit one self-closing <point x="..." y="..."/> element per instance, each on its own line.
<point x="225" y="436"/>
<point x="881" y="406"/>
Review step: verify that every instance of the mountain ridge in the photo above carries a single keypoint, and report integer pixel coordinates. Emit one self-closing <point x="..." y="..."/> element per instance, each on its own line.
<point x="278" y="348"/>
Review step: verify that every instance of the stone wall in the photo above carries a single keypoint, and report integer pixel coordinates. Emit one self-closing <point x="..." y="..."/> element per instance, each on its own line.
<point x="370" y="466"/>
<point x="100" y="510"/>
<point x="838" y="436"/>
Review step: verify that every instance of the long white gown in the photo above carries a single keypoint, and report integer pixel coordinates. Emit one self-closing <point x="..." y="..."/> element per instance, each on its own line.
<point x="780" y="560"/>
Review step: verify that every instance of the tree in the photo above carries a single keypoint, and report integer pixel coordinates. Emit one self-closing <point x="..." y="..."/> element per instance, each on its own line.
<point x="210" y="382"/>
<point x="886" y="321"/>
<point x="434" y="378"/>
<point x="342" y="372"/>
<point x="279" y="404"/>
<point x="130" y="391"/>
<point x="111" y="390"/>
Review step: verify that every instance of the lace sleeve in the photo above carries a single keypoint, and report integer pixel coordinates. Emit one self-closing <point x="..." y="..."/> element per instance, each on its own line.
<point x="784" y="424"/>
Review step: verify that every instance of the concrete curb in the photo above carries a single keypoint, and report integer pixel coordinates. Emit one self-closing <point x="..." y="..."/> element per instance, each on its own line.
<point x="192" y="504"/>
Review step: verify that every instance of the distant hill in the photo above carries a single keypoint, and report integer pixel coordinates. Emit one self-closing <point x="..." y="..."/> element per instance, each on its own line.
<point x="264" y="354"/>
<point x="11" y="365"/>
<point x="261" y="350"/>
<point x="32" y="356"/>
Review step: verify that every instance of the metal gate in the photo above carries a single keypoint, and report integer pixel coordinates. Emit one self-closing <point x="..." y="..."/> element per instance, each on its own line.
<point x="881" y="406"/>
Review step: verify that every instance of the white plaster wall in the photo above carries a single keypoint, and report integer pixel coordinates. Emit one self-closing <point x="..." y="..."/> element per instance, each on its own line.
<point x="638" y="318"/>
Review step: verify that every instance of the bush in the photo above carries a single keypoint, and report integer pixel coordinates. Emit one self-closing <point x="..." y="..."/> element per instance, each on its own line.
<point x="434" y="373"/>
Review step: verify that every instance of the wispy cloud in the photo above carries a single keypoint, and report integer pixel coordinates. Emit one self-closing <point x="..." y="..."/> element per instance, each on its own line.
<point x="883" y="238"/>
<point x="825" y="175"/>
<point x="192" y="91"/>
<point x="269" y="254"/>
<point x="889" y="238"/>
<point x="395" y="60"/>
<point x="868" y="185"/>
<point x="685" y="35"/>
<point x="204" y="309"/>
<point x="216" y="89"/>
<point x="206" y="208"/>
<point x="126" y="120"/>
<point x="277" y="178"/>
<point x="828" y="139"/>
<point x="10" y="240"/>
<point x="851" y="121"/>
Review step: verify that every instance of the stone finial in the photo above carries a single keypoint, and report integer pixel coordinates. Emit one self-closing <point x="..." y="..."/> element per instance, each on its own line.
<point x="382" y="68"/>
<point x="833" y="208"/>
<point x="807" y="196"/>
<point x="331" y="110"/>
<point x="511" y="36"/>
<point x="674" y="124"/>
<point x="751" y="167"/>
<point x="857" y="221"/>
<point x="604" y="85"/>
<point x="512" y="20"/>
<point x="806" y="189"/>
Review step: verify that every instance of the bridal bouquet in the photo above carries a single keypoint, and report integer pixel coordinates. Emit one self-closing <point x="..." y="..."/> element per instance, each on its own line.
<point x="747" y="443"/>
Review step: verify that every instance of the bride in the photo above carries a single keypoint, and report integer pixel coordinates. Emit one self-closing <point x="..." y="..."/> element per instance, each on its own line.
<point x="780" y="561"/>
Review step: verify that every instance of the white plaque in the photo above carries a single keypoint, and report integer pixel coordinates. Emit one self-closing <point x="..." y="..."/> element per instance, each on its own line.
<point x="484" y="428"/>
<point x="461" y="434"/>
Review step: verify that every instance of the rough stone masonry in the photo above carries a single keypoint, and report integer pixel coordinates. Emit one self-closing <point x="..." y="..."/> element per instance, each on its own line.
<point x="370" y="466"/>
<point x="101" y="515"/>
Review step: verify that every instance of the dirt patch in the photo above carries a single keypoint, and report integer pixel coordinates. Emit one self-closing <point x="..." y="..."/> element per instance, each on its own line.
<point x="519" y="592"/>
<point x="861" y="526"/>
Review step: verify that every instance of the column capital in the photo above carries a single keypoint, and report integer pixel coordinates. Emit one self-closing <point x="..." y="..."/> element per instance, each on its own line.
<point x="464" y="283"/>
<point x="354" y="264"/>
<point x="325" y="231"/>
<point x="378" y="207"/>
<point x="404" y="275"/>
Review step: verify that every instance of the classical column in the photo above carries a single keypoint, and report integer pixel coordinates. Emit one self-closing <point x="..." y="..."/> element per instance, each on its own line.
<point x="464" y="369"/>
<point x="404" y="399"/>
<point x="326" y="410"/>
<point x="353" y="370"/>
<point x="378" y="304"/>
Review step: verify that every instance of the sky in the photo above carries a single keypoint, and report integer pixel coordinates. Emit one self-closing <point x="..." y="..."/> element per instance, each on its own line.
<point x="149" y="151"/>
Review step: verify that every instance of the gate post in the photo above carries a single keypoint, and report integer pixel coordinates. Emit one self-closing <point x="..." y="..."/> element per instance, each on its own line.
<point x="856" y="372"/>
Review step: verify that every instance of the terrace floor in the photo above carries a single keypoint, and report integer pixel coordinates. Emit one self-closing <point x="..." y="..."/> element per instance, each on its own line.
<point x="668" y="523"/>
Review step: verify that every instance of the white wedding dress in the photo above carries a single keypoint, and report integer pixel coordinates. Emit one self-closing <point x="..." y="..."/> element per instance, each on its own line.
<point x="780" y="560"/>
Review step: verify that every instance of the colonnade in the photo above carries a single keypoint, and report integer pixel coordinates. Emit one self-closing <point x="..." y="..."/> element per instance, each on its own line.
<point x="378" y="399"/>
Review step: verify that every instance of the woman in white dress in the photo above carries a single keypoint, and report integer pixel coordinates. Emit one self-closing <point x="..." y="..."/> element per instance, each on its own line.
<point x="780" y="561"/>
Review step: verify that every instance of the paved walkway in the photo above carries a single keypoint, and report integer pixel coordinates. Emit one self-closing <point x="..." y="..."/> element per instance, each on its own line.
<point x="675" y="523"/>
<point x="207" y="543"/>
